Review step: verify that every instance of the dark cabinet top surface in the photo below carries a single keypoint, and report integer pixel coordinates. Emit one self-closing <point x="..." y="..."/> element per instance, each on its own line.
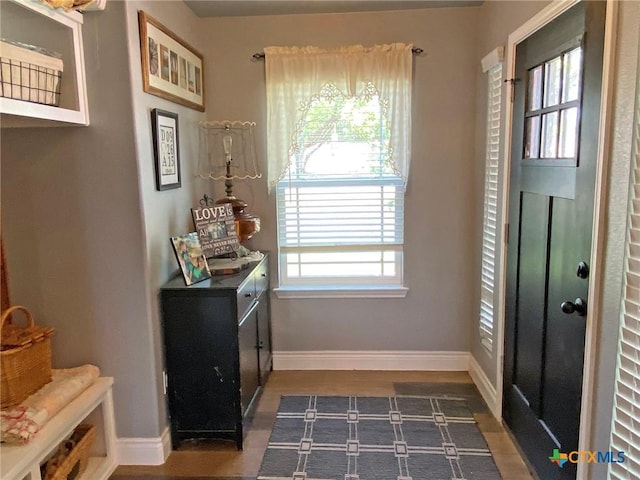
<point x="216" y="282"/>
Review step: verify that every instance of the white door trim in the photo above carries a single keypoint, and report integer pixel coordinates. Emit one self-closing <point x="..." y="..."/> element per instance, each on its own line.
<point x="544" y="17"/>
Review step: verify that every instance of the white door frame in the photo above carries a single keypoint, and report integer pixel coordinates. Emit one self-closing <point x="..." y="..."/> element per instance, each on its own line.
<point x="544" y="17"/>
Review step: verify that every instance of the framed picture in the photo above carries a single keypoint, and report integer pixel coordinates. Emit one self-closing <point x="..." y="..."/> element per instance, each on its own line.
<point x="192" y="262"/>
<point x="171" y="69"/>
<point x="166" y="149"/>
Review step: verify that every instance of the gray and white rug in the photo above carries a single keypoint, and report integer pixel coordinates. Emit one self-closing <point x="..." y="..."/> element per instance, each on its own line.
<point x="376" y="438"/>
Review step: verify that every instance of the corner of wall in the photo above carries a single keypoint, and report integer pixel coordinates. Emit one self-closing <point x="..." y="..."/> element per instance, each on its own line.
<point x="144" y="451"/>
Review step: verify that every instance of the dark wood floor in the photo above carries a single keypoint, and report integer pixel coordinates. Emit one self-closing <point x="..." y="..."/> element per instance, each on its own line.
<point x="221" y="461"/>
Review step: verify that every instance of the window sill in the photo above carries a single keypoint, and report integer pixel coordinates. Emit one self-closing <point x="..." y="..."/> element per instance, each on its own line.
<point x="353" y="291"/>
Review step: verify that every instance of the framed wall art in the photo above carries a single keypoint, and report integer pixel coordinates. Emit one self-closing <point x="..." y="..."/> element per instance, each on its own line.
<point x="166" y="149"/>
<point x="171" y="69"/>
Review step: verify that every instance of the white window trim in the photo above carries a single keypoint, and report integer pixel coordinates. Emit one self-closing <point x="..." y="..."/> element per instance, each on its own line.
<point x="352" y="291"/>
<point x="492" y="59"/>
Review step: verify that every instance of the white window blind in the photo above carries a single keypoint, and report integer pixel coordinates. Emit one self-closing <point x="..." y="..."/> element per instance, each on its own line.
<point x="340" y="205"/>
<point x="490" y="216"/>
<point x="625" y="432"/>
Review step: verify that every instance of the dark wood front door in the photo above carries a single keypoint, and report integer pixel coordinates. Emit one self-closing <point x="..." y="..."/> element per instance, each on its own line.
<point x="554" y="155"/>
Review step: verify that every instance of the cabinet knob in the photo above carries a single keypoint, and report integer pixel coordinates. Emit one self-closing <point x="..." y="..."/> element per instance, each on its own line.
<point x="248" y="295"/>
<point x="218" y="374"/>
<point x="263" y="274"/>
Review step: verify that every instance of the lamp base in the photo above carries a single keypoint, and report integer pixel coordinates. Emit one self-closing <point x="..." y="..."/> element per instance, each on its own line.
<point x="226" y="266"/>
<point x="247" y="225"/>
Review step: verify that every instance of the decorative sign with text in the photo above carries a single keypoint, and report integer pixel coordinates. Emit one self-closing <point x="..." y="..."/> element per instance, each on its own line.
<point x="216" y="229"/>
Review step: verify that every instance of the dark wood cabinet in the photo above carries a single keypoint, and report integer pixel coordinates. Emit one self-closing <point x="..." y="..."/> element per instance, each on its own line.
<point x="217" y="346"/>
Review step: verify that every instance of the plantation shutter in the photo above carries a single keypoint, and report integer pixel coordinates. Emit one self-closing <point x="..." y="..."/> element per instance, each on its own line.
<point x="625" y="432"/>
<point x="490" y="216"/>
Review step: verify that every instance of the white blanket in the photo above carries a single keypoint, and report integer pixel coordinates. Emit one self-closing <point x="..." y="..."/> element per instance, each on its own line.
<point x="19" y="424"/>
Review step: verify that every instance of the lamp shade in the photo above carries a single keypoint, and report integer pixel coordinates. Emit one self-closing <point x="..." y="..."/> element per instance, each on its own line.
<point x="228" y="152"/>
<point x="227" y="143"/>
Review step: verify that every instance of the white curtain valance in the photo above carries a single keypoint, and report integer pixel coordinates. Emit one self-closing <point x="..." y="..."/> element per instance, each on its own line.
<point x="294" y="75"/>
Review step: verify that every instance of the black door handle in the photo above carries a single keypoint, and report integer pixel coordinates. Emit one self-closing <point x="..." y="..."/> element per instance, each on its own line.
<point x="578" y="306"/>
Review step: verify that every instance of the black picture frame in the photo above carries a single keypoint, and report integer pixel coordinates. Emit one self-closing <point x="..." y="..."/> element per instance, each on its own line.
<point x="166" y="149"/>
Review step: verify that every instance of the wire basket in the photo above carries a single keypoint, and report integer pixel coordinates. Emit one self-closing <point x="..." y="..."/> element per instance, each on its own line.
<point x="30" y="73"/>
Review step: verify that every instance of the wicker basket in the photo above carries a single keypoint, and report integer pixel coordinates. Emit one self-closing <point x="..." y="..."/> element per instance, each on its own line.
<point x="72" y="457"/>
<point x="25" y="358"/>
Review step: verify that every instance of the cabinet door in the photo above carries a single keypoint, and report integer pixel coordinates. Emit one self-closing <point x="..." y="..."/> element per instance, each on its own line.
<point x="200" y="345"/>
<point x="247" y="342"/>
<point x="264" y="337"/>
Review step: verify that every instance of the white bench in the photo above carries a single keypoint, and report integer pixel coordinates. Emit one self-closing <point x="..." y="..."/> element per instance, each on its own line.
<point x="94" y="406"/>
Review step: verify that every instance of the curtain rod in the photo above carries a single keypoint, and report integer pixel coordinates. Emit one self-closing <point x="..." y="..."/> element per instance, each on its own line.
<point x="260" y="55"/>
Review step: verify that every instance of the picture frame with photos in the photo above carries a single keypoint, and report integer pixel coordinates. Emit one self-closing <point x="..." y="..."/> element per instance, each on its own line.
<point x="171" y="68"/>
<point x="192" y="262"/>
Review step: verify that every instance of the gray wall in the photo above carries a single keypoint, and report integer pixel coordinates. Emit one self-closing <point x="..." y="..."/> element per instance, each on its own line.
<point x="80" y="212"/>
<point x="436" y="313"/>
<point x="79" y="205"/>
<point x="164" y="213"/>
<point x="72" y="226"/>
<point x="497" y="20"/>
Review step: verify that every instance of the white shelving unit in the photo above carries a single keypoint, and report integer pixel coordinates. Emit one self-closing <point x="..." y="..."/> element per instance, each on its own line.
<point x="31" y="22"/>
<point x="95" y="406"/>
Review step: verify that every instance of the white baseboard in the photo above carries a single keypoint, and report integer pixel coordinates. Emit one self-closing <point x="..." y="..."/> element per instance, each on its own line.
<point x="371" y="360"/>
<point x="144" y="451"/>
<point x="485" y="387"/>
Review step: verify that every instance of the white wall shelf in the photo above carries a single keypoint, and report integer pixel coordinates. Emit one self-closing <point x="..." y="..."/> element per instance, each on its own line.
<point x="31" y="22"/>
<point x="95" y="406"/>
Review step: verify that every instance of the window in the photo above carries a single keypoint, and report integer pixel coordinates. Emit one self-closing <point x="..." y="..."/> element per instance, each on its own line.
<point x="626" y="413"/>
<point x="490" y="215"/>
<point x="553" y="109"/>
<point x="340" y="193"/>
<point x="340" y="203"/>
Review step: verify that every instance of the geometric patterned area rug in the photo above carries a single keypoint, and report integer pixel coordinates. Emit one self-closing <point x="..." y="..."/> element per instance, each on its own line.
<point x="376" y="438"/>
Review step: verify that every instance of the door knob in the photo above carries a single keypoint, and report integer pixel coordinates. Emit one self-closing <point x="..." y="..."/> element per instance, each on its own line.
<point x="583" y="270"/>
<point x="578" y="306"/>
